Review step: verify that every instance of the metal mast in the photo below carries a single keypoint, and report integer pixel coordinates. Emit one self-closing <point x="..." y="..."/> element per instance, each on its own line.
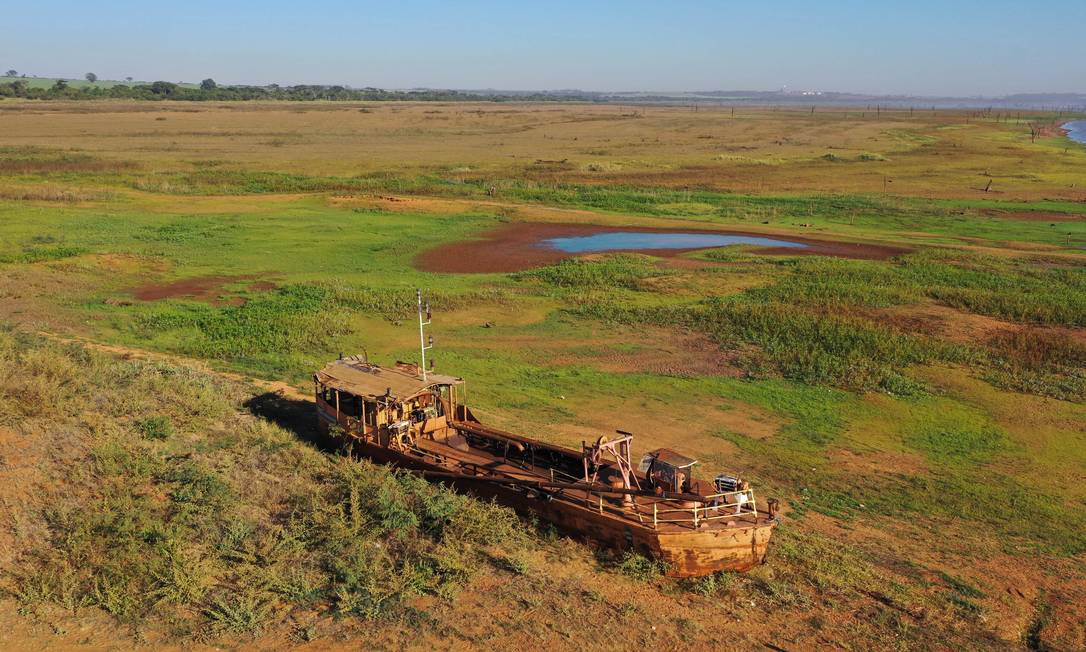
<point x="423" y="345"/>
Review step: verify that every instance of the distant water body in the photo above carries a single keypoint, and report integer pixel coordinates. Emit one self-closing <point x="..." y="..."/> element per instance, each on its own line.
<point x="634" y="240"/>
<point x="1076" y="130"/>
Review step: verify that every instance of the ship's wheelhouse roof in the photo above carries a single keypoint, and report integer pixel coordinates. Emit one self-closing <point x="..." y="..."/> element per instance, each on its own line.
<point x="672" y="458"/>
<point x="360" y="378"/>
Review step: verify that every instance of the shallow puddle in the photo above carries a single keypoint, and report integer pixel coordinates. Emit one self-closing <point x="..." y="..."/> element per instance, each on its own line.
<point x="654" y="240"/>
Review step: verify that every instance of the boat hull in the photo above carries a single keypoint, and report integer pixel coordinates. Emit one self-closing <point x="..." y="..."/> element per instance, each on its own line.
<point x="688" y="552"/>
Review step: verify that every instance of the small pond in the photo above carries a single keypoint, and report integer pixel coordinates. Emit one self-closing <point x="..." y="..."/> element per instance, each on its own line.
<point x="647" y="240"/>
<point x="1076" y="131"/>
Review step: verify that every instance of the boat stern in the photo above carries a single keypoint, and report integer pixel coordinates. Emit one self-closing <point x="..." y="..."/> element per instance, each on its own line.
<point x="701" y="552"/>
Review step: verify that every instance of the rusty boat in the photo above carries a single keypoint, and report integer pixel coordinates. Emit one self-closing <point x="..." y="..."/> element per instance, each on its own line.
<point x="413" y="419"/>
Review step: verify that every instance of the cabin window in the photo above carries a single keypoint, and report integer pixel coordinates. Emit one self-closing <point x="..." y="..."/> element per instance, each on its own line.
<point x="350" y="406"/>
<point x="370" y="413"/>
<point x="441" y="399"/>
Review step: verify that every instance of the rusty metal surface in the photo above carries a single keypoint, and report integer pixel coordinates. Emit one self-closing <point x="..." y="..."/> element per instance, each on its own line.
<point x="356" y="376"/>
<point x="689" y="552"/>
<point x="673" y="458"/>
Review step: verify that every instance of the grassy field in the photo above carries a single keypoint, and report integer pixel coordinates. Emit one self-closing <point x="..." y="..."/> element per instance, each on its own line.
<point x="921" y="416"/>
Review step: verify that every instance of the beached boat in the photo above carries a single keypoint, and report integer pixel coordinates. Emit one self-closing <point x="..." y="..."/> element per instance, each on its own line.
<point x="413" y="419"/>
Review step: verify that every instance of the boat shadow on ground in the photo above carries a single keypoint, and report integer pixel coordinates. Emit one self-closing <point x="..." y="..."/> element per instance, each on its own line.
<point x="291" y="414"/>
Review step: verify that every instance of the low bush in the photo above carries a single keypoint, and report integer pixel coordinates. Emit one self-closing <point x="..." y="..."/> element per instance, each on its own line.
<point x="42" y="254"/>
<point x="157" y="427"/>
<point x="640" y="567"/>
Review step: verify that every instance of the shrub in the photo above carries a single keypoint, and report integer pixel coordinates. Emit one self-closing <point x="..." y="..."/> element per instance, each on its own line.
<point x="157" y="427"/>
<point x="640" y="567"/>
<point x="43" y="254"/>
<point x="709" y="586"/>
<point x="243" y="613"/>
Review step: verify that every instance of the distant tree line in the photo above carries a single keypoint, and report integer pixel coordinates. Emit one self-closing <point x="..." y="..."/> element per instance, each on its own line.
<point x="209" y="91"/>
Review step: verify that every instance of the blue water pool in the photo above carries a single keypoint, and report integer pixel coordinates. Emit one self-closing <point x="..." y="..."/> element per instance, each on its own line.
<point x="635" y="240"/>
<point x="1076" y="131"/>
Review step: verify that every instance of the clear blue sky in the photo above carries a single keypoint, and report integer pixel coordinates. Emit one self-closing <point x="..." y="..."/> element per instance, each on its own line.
<point x="926" y="47"/>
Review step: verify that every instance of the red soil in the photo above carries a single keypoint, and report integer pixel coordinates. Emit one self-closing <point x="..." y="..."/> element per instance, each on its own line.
<point x="515" y="247"/>
<point x="202" y="288"/>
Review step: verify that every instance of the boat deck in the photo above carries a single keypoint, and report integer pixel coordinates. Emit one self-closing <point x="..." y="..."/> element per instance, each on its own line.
<point x="666" y="515"/>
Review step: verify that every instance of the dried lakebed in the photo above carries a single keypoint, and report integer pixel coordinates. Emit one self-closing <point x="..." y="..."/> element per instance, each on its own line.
<point x="524" y="245"/>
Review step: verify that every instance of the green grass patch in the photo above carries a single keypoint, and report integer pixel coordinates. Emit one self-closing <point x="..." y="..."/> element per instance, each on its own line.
<point x="954" y="435"/>
<point x="43" y="254"/>
<point x="615" y="271"/>
<point x="799" y="344"/>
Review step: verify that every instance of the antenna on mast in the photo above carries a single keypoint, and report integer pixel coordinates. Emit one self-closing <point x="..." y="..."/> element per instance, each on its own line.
<point x="423" y="345"/>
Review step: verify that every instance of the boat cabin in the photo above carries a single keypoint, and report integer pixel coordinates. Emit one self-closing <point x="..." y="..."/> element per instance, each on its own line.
<point x="668" y="470"/>
<point x="392" y="407"/>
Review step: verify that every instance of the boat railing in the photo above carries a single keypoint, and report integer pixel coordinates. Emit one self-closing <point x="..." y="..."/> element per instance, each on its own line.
<point x="562" y="476"/>
<point x="714" y="507"/>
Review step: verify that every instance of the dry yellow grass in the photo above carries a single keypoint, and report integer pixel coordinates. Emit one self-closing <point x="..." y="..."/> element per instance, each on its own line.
<point x="922" y="153"/>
